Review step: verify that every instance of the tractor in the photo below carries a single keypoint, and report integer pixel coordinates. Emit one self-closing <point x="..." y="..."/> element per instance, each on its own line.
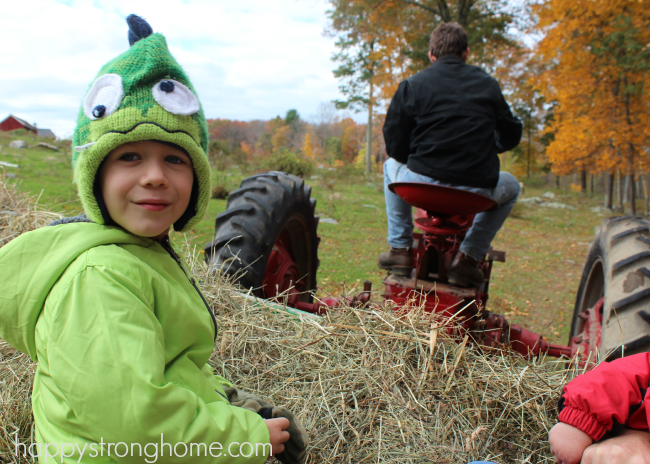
<point x="267" y="240"/>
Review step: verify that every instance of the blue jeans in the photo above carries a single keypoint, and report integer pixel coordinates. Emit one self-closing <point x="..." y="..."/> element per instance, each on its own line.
<point x="479" y="236"/>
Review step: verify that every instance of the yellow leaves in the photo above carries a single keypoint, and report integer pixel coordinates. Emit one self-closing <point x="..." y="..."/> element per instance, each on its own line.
<point x="307" y="148"/>
<point x="598" y="119"/>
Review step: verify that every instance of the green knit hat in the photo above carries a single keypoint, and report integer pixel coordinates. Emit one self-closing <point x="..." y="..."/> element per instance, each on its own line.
<point x="142" y="94"/>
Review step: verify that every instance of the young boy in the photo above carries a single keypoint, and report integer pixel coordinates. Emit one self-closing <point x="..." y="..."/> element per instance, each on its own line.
<point x="119" y="328"/>
<point x="609" y="398"/>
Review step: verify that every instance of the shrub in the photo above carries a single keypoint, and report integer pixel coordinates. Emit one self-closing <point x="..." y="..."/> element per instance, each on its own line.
<point x="287" y="161"/>
<point x="218" y="148"/>
<point x="220" y="192"/>
<point x="223" y="157"/>
<point x="518" y="211"/>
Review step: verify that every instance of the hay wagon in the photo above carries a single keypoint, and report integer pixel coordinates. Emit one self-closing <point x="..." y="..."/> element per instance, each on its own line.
<point x="267" y="239"/>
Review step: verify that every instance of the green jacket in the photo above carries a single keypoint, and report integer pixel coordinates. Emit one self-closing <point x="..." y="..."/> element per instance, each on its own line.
<point x="122" y="337"/>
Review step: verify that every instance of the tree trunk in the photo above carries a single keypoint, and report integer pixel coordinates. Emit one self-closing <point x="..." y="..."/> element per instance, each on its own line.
<point x="630" y="193"/>
<point x="369" y="134"/>
<point x="609" y="189"/>
<point x="619" y="190"/>
<point x="583" y="181"/>
<point x="529" y="129"/>
<point x="646" y="193"/>
<point x="557" y="182"/>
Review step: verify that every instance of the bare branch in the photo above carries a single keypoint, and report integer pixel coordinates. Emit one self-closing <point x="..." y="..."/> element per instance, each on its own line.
<point x="445" y="14"/>
<point x="464" y="8"/>
<point x="424" y="7"/>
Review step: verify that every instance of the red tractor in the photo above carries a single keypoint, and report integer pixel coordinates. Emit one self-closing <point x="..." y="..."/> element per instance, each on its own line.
<point x="267" y="239"/>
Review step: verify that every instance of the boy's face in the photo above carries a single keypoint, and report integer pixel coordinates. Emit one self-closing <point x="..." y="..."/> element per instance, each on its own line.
<point x="146" y="186"/>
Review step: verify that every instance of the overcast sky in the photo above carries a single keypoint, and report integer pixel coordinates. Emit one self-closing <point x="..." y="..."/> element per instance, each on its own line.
<point x="247" y="59"/>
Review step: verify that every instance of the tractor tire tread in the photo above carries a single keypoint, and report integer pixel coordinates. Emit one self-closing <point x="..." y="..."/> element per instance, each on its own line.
<point x="625" y="218"/>
<point x="644" y="239"/>
<point x="645" y="315"/>
<point x="256" y="214"/>
<point x="625" y="233"/>
<point x="641" y="342"/>
<point x="627" y="261"/>
<point x="620" y="247"/>
<point x="621" y="304"/>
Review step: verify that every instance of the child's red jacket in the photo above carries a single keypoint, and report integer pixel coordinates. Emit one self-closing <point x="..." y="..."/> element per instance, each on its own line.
<point x="612" y="396"/>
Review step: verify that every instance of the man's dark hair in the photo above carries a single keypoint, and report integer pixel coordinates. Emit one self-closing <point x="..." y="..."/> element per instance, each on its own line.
<point x="448" y="39"/>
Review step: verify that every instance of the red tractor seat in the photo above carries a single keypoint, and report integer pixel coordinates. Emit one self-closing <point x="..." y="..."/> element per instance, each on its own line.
<point x="439" y="200"/>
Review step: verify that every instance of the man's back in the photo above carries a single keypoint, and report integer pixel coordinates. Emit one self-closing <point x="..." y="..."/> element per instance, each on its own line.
<point x="446" y="125"/>
<point x="443" y="123"/>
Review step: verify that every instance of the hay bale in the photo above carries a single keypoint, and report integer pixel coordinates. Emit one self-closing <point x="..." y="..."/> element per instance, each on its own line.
<point x="19" y="212"/>
<point x="370" y="385"/>
<point x="374" y="386"/>
<point x="16" y="378"/>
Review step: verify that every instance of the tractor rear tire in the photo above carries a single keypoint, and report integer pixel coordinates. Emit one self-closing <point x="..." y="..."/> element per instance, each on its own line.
<point x="265" y="206"/>
<point x="618" y="269"/>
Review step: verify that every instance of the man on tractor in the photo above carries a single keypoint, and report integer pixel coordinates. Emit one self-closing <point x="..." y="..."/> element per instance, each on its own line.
<point x="446" y="125"/>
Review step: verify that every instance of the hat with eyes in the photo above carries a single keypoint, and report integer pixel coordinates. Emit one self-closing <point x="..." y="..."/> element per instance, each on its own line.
<point x="142" y="94"/>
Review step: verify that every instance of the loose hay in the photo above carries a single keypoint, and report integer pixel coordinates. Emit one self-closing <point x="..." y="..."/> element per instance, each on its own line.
<point x="374" y="386"/>
<point x="18" y="212"/>
<point x="370" y="385"/>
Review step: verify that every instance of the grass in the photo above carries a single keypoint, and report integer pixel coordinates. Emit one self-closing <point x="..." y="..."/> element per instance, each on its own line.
<point x="41" y="170"/>
<point x="535" y="287"/>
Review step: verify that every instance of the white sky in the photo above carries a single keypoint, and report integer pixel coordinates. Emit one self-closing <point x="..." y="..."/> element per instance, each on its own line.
<point x="247" y="59"/>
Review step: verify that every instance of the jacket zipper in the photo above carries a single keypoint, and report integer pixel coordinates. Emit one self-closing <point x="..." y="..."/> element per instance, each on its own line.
<point x="166" y="244"/>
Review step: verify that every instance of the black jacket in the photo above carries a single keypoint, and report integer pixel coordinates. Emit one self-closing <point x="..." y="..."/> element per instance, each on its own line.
<point x="449" y="122"/>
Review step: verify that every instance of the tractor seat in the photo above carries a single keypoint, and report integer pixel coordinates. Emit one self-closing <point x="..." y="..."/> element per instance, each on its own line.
<point x="439" y="200"/>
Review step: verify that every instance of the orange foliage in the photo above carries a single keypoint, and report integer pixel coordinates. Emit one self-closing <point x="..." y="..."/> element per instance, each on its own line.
<point x="350" y="141"/>
<point x="596" y="54"/>
<point x="246" y="148"/>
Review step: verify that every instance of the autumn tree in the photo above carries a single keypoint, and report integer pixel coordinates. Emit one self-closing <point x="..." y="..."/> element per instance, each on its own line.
<point x="350" y="141"/>
<point x="518" y="72"/>
<point x="382" y="42"/>
<point x="399" y="32"/>
<point x="308" y="147"/>
<point x="597" y="67"/>
<point x="358" y="69"/>
<point x="487" y="24"/>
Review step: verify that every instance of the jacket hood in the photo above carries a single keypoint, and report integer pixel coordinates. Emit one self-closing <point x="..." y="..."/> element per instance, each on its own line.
<point x="32" y="263"/>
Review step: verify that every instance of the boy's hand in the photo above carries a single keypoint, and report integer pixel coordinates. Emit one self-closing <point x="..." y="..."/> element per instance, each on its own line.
<point x="568" y="443"/>
<point x="278" y="434"/>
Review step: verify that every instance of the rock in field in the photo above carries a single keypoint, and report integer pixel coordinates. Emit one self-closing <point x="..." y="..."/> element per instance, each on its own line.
<point x="17" y="144"/>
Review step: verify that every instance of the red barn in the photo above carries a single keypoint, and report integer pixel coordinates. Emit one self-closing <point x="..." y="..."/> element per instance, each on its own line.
<point x="11" y="122"/>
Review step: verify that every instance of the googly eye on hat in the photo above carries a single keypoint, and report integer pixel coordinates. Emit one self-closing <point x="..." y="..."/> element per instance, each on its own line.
<point x="104" y="96"/>
<point x="175" y="97"/>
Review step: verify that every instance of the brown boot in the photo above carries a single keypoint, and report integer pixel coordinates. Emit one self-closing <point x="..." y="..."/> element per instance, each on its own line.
<point x="464" y="271"/>
<point x="397" y="260"/>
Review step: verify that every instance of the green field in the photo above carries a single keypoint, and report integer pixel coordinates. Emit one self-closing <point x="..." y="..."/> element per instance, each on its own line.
<point x="535" y="287"/>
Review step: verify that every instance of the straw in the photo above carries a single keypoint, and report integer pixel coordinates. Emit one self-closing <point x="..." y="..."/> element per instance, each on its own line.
<point x="371" y="385"/>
